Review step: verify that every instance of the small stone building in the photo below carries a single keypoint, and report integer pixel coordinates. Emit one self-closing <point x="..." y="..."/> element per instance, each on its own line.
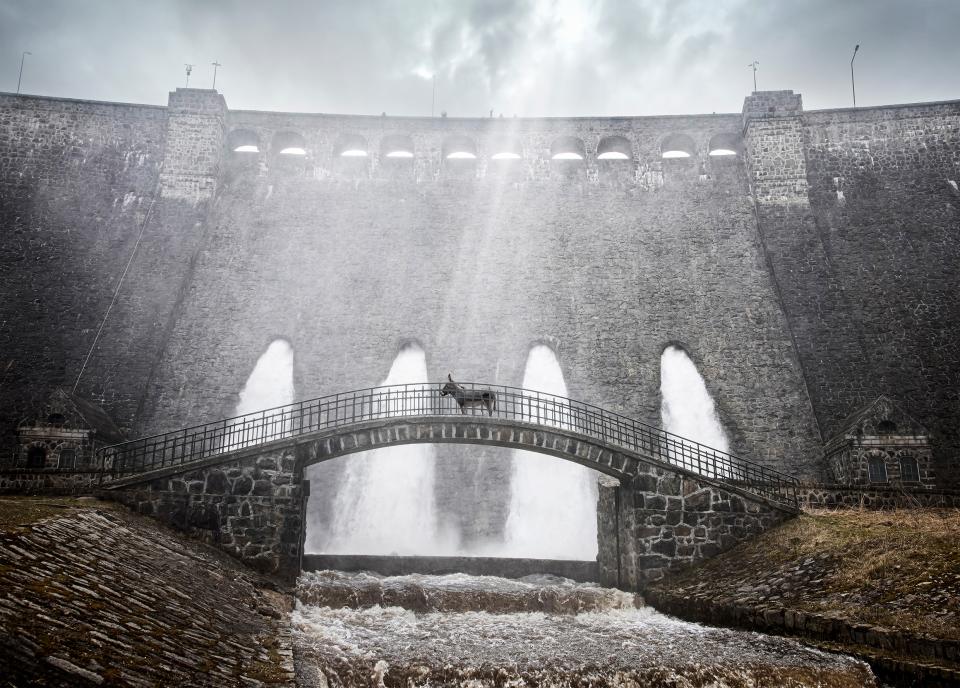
<point x="64" y="434"/>
<point x="881" y="445"/>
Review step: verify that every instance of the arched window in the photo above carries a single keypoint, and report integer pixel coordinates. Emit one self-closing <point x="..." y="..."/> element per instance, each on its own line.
<point x="614" y="148"/>
<point x="289" y="143"/>
<point x="36" y="456"/>
<point x="677" y="146"/>
<point x="567" y="148"/>
<point x="724" y="145"/>
<point x="506" y="149"/>
<point x="243" y="141"/>
<point x="68" y="458"/>
<point x="909" y="470"/>
<point x="396" y="146"/>
<point x="350" y="146"/>
<point x="459" y="148"/>
<point x="877" y="469"/>
<point x="886" y="427"/>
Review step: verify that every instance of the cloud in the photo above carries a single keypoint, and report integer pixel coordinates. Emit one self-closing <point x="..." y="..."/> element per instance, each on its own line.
<point x="530" y="57"/>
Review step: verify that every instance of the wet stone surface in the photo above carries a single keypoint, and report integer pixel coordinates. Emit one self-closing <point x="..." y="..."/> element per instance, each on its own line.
<point x="94" y="596"/>
<point x="613" y="646"/>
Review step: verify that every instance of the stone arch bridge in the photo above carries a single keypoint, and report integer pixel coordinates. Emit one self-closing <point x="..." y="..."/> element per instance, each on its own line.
<point x="240" y="481"/>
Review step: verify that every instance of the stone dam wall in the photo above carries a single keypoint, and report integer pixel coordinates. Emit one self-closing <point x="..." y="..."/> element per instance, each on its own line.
<point x="805" y="276"/>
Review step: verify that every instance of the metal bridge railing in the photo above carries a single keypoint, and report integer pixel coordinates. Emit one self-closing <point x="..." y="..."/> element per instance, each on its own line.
<point x="399" y="401"/>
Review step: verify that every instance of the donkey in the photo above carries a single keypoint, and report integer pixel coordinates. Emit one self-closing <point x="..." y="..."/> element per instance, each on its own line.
<point x="469" y="397"/>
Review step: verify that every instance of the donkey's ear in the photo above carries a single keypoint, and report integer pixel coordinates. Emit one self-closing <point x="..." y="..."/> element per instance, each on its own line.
<point x="450" y="377"/>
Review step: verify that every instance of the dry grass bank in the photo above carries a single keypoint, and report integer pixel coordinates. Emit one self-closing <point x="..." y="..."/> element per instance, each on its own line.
<point x="896" y="569"/>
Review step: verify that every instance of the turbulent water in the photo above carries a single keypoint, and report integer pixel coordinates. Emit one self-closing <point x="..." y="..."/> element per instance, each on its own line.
<point x="364" y="630"/>
<point x="386" y="503"/>
<point x="553" y="504"/>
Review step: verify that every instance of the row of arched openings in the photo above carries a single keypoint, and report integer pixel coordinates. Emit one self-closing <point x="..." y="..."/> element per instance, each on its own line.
<point x="459" y="147"/>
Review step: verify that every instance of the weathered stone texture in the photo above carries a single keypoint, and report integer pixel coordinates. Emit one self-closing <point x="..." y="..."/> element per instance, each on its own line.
<point x="78" y="185"/>
<point x="864" y="255"/>
<point x="845" y="292"/>
<point x="25" y="481"/>
<point x="608" y="271"/>
<point x="888" y="219"/>
<point x="194" y="144"/>
<point x="878" y="497"/>
<point x="93" y="596"/>
<point x="252" y="508"/>
<point x="665" y="520"/>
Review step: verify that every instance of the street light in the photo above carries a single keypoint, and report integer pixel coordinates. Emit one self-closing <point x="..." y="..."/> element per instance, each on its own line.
<point x="853" y="85"/>
<point x="20" y="78"/>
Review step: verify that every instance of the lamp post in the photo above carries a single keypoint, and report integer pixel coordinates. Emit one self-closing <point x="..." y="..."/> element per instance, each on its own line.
<point x="853" y="84"/>
<point x="216" y="65"/>
<point x="20" y="78"/>
<point x="754" y="65"/>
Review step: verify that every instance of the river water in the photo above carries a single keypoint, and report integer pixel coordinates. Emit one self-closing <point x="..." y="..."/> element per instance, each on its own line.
<point x="360" y="629"/>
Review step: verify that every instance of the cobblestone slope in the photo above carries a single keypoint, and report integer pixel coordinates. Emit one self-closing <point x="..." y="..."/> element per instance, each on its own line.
<point x="95" y="596"/>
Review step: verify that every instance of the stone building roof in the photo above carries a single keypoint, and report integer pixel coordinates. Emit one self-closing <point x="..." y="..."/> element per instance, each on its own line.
<point x="867" y="420"/>
<point x="79" y="413"/>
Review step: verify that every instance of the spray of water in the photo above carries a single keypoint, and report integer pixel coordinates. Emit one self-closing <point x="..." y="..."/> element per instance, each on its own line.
<point x="269" y="385"/>
<point x="686" y="408"/>
<point x="385" y="504"/>
<point x="553" y="503"/>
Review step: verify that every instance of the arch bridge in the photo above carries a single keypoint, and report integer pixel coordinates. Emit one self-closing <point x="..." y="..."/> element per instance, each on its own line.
<point x="350" y="422"/>
<point x="675" y="500"/>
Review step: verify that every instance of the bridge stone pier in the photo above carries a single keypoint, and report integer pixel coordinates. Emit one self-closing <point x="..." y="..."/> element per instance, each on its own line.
<point x="652" y="517"/>
<point x="663" y="520"/>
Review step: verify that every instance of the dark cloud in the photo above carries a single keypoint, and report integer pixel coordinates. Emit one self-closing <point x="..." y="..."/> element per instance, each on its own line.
<point x="536" y="57"/>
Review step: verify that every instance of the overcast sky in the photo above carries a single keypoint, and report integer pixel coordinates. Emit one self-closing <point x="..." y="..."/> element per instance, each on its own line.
<point x="524" y="57"/>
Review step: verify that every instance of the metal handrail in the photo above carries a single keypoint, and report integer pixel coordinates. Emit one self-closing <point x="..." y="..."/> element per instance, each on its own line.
<point x="413" y="400"/>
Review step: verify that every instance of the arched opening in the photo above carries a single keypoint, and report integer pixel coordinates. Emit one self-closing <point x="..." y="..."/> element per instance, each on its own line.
<point x="677" y="147"/>
<point x="459" y="148"/>
<point x="886" y="427"/>
<point x="614" y="148"/>
<point x="567" y="148"/>
<point x="553" y="503"/>
<point x="243" y="141"/>
<point x="909" y="470"/>
<point x="724" y="145"/>
<point x="877" y="469"/>
<point x="686" y="407"/>
<point x="350" y="146"/>
<point x="67" y="457"/>
<point x="385" y="503"/>
<point x="289" y="144"/>
<point x="269" y="385"/>
<point x="506" y="149"/>
<point x="396" y="147"/>
<point x="505" y="158"/>
<point x="36" y="456"/>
